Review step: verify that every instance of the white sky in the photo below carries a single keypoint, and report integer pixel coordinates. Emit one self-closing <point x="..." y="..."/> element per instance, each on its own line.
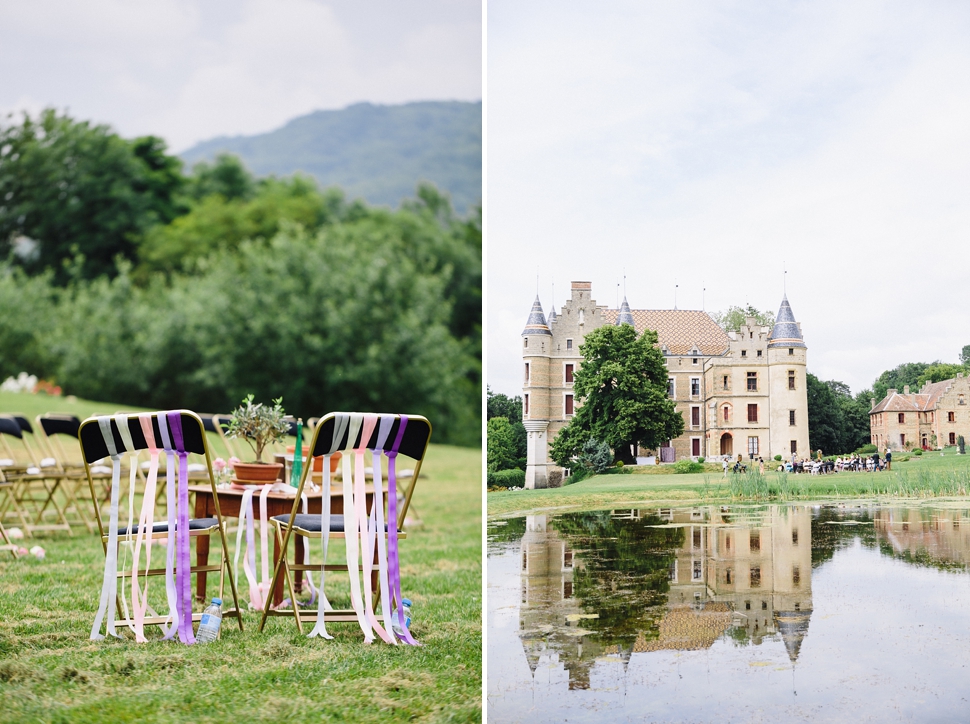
<point x="188" y="70"/>
<point x="711" y="144"/>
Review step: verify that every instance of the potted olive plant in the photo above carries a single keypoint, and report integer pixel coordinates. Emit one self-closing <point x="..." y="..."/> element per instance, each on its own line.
<point x="259" y="425"/>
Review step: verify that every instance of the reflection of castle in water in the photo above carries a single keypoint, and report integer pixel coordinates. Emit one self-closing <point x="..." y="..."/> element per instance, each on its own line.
<point x="925" y="536"/>
<point x="750" y="577"/>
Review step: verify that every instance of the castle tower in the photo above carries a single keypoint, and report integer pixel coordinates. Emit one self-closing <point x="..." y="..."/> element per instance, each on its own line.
<point x="787" y="360"/>
<point x="536" y="351"/>
<point x="625" y="316"/>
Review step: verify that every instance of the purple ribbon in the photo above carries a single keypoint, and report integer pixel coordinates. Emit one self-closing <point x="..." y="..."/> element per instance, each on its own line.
<point x="183" y="571"/>
<point x="393" y="564"/>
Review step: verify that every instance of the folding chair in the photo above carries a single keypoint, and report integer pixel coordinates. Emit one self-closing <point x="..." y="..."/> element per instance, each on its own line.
<point x="30" y="474"/>
<point x="220" y="424"/>
<point x="5" y="543"/>
<point x="175" y="434"/>
<point x="58" y="433"/>
<point x="368" y="538"/>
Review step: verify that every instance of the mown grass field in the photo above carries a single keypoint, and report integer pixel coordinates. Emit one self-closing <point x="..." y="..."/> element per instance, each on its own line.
<point x="51" y="672"/>
<point x="932" y="474"/>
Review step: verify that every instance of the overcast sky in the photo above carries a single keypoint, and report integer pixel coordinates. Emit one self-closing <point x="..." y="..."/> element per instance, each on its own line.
<point x="712" y="145"/>
<point x="188" y="70"/>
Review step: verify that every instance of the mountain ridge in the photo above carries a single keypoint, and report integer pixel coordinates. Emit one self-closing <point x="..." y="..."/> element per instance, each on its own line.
<point x="375" y="152"/>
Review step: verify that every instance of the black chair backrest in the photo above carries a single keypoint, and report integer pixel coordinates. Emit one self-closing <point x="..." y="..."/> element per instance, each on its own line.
<point x="10" y="426"/>
<point x="24" y="423"/>
<point x="415" y="441"/>
<point x="92" y="442"/>
<point x="209" y="422"/>
<point x="60" y="425"/>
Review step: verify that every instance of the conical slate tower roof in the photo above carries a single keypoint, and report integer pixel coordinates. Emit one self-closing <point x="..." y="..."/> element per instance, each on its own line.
<point x="552" y="315"/>
<point x="786" y="332"/>
<point x="793" y="626"/>
<point x="536" y="323"/>
<point x="625" y="316"/>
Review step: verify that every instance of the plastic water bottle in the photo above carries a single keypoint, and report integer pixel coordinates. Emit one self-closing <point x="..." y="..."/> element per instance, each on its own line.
<point x="405" y="614"/>
<point x="210" y="623"/>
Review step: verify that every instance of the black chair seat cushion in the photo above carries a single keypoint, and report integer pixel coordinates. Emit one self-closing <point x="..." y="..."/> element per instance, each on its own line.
<point x="311" y="522"/>
<point x="194" y="524"/>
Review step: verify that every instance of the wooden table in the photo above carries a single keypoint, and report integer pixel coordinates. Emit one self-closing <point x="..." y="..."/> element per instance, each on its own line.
<point x="230" y="501"/>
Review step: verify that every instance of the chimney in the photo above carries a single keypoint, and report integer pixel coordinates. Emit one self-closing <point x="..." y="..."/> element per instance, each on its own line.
<point x="872" y="403"/>
<point x="581" y="289"/>
<point x="891" y="391"/>
<point x="905" y="389"/>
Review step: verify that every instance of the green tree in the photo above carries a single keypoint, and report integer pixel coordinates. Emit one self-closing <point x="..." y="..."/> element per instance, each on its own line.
<point x="226" y="177"/>
<point x="824" y="420"/>
<point x="499" y="405"/>
<point x="68" y="187"/>
<point x="732" y="319"/>
<point x="937" y="372"/>
<point x="897" y="378"/>
<point x="501" y="452"/>
<point x="965" y="355"/>
<point x="622" y="388"/>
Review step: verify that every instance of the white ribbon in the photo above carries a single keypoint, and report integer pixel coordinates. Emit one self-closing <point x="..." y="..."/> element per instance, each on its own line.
<point x="339" y="428"/>
<point x="109" y="584"/>
<point x="121" y="420"/>
<point x="377" y="519"/>
<point x="351" y="529"/>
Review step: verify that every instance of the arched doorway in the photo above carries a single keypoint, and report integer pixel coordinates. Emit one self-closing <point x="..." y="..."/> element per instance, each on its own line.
<point x="727" y="444"/>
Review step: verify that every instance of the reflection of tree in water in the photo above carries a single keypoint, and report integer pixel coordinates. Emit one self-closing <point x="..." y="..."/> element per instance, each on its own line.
<point x="624" y="578"/>
<point x="512" y="530"/>
<point x="828" y="538"/>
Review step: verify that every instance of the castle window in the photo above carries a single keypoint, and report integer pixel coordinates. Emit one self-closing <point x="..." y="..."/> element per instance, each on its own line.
<point x="791" y="352"/>
<point x="759" y="352"/>
<point x="695" y="418"/>
<point x="791" y="417"/>
<point x="951" y="417"/>
<point x="569" y="344"/>
<point x="796" y="577"/>
<point x="525" y="343"/>
<point x="752" y="413"/>
<point x="698" y="571"/>
<point x="752" y="446"/>
<point x="754" y="540"/>
<point x="902" y="417"/>
<point x="525" y="405"/>
<point x="569" y="372"/>
<point x="752" y="382"/>
<point x="727" y="413"/>
<point x="527" y="372"/>
<point x="961" y="400"/>
<point x="744" y="353"/>
<point x="695" y="446"/>
<point x="764" y="604"/>
<point x="791" y="379"/>
<point x="694" y="361"/>
<point x="726" y="382"/>
<point x="755" y="576"/>
<point x="794" y="537"/>
<point x="794" y="446"/>
<point x="569" y="404"/>
<point x="670" y="387"/>
<point x="695" y="386"/>
<point x="953" y="438"/>
<point x="902" y="440"/>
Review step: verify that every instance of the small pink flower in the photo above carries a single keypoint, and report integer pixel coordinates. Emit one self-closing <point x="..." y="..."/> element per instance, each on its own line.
<point x="232" y="462"/>
<point x="219" y="465"/>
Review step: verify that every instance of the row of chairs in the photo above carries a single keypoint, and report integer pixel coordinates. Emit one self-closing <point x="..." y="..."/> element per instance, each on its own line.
<point x="41" y="473"/>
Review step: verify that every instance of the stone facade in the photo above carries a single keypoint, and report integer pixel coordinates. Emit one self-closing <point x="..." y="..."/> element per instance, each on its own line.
<point x="933" y="418"/>
<point x="740" y="393"/>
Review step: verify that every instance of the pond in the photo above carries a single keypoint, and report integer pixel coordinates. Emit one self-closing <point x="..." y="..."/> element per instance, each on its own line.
<point x="840" y="612"/>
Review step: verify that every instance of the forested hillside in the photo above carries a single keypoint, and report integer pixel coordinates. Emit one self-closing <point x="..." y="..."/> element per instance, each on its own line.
<point x="124" y="279"/>
<point x="378" y="153"/>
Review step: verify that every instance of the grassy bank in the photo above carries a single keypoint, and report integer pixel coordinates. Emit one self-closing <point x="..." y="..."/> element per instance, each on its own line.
<point x="930" y="475"/>
<point x="51" y="672"/>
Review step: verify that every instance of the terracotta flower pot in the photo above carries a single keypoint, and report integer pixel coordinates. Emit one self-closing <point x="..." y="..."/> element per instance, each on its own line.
<point x="257" y="472"/>
<point x="334" y="462"/>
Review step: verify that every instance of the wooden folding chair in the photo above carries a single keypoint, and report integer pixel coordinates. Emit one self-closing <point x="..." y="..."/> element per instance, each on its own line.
<point x="353" y="434"/>
<point x="5" y="543"/>
<point x="220" y="424"/>
<point x="183" y="430"/>
<point x="36" y="480"/>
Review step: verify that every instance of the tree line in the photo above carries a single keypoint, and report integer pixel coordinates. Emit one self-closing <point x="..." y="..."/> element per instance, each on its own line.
<point x="127" y="279"/>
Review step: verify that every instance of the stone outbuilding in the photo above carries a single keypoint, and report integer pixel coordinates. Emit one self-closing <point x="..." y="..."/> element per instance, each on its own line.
<point x="933" y="418"/>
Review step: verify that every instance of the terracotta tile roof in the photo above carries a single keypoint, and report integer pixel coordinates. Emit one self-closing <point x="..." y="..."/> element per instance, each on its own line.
<point x="684" y="628"/>
<point x="679" y="330"/>
<point x="926" y="399"/>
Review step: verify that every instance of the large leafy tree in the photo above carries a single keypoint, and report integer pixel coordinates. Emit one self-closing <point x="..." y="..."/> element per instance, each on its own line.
<point x="837" y="422"/>
<point x="731" y="319"/>
<point x="71" y="188"/>
<point x="501" y="445"/>
<point x="622" y="388"/>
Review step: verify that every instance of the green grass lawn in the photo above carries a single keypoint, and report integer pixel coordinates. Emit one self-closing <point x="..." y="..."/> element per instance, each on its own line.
<point x="51" y="672"/>
<point x="932" y="474"/>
